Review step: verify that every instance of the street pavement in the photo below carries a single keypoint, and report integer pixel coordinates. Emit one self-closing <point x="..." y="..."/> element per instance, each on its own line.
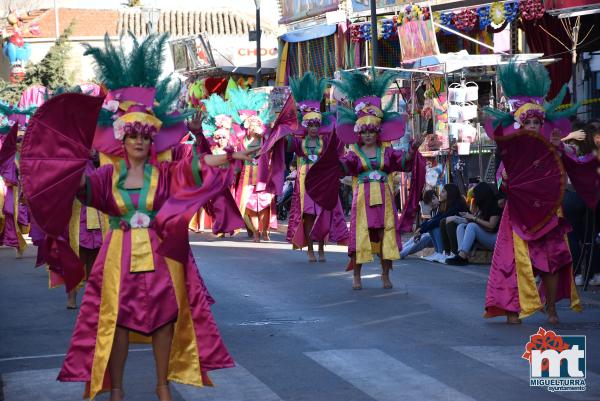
<point x="299" y="332"/>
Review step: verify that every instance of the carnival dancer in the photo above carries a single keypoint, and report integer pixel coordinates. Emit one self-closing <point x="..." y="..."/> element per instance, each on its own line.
<point x="532" y="234"/>
<point x="254" y="199"/>
<point x="368" y="128"/>
<point x="308" y="222"/>
<point x="144" y="286"/>
<point x="16" y="216"/>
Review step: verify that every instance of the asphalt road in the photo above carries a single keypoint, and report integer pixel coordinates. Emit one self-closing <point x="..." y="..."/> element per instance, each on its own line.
<point x="299" y="332"/>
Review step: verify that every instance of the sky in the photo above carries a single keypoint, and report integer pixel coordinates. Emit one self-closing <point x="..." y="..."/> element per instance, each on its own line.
<point x="268" y="7"/>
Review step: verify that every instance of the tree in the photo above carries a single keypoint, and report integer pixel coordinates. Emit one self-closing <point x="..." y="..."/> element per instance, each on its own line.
<point x="51" y="71"/>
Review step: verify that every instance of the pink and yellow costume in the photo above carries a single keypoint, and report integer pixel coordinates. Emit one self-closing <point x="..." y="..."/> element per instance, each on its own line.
<point x="532" y="233"/>
<point x="145" y="275"/>
<point x="373" y="205"/>
<point x="329" y="224"/>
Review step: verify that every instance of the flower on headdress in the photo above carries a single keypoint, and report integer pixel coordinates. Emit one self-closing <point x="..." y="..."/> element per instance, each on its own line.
<point x="139" y="220"/>
<point x="223" y="121"/>
<point x="111" y="105"/>
<point x="254" y="124"/>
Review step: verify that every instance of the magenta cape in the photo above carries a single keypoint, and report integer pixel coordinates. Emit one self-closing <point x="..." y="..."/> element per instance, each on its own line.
<point x="329" y="225"/>
<point x="222" y="208"/>
<point x="417" y="182"/>
<point x="323" y="179"/>
<point x="173" y="218"/>
<point x="583" y="173"/>
<point x="536" y="182"/>
<point x="55" y="152"/>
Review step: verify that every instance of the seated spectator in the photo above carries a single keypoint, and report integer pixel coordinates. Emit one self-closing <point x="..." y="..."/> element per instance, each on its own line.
<point x="429" y="205"/>
<point x="452" y="203"/>
<point x="480" y="227"/>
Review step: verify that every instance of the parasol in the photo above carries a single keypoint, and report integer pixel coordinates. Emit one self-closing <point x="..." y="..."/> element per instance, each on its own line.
<point x="323" y="178"/>
<point x="536" y="181"/>
<point x="54" y="154"/>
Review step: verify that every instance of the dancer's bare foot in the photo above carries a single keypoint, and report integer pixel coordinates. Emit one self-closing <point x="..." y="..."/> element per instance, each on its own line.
<point x="322" y="256"/>
<point x="311" y="256"/>
<point x="513" y="318"/>
<point x="552" y="315"/>
<point x="164" y="393"/>
<point x="387" y="284"/>
<point x="356" y="283"/>
<point x="72" y="300"/>
<point x="265" y="236"/>
<point x="116" y="394"/>
<point x="256" y="237"/>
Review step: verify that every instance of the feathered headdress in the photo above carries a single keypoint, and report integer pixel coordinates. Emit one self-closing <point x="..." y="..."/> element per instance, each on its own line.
<point x="308" y="92"/>
<point x="367" y="115"/>
<point x="251" y="108"/>
<point x="138" y="99"/>
<point x="526" y="86"/>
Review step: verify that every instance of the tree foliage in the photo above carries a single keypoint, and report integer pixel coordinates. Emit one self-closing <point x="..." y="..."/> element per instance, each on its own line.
<point x="51" y="71"/>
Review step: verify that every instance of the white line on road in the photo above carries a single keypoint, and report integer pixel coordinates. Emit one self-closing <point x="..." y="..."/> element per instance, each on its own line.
<point x="21" y="358"/>
<point x="383" y="377"/>
<point x="263" y="245"/>
<point x="350" y="301"/>
<point x="389" y="319"/>
<point x="235" y="384"/>
<point x="507" y="359"/>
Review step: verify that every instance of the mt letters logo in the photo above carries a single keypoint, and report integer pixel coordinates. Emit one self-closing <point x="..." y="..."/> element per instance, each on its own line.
<point x="556" y="362"/>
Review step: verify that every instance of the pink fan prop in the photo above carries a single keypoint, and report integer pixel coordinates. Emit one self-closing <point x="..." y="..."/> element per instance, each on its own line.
<point x="536" y="181"/>
<point x="55" y="151"/>
<point x="323" y="179"/>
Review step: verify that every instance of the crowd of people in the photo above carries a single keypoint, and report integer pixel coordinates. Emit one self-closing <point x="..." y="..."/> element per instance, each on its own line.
<point x="109" y="193"/>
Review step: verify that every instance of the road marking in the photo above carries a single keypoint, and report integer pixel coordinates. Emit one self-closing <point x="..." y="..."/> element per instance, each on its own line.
<point x="350" y="301"/>
<point x="389" y="319"/>
<point x="235" y="384"/>
<point x="39" y="385"/>
<point x="22" y="358"/>
<point x="390" y="294"/>
<point x="383" y="377"/>
<point x="263" y="245"/>
<point x="507" y="359"/>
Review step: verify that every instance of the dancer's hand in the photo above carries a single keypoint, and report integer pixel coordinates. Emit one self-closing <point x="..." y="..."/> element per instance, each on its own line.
<point x="247" y="155"/>
<point x="195" y="124"/>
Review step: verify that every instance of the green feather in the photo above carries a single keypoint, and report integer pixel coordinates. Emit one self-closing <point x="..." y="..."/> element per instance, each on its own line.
<point x="308" y="87"/>
<point x="530" y="79"/>
<point x="346" y="116"/>
<point x="499" y="117"/>
<point x="356" y="85"/>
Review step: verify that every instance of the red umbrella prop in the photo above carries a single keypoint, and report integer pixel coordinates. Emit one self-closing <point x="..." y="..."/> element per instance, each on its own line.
<point x="55" y="150"/>
<point x="536" y="181"/>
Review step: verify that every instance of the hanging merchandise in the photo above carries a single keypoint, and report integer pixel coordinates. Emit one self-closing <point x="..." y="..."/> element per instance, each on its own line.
<point x="365" y="31"/>
<point x="388" y="28"/>
<point x="484" y="17"/>
<point x="497" y="14"/>
<point x="531" y="9"/>
<point x="466" y="20"/>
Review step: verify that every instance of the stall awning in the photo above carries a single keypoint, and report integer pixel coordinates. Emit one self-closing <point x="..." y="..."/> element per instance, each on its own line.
<point x="462" y="59"/>
<point x="313" y="32"/>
